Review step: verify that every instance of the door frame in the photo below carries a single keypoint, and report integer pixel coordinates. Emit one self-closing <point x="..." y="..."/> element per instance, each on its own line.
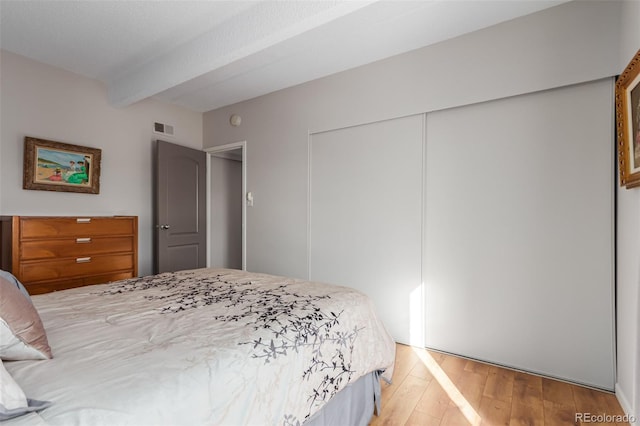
<point x="211" y="151"/>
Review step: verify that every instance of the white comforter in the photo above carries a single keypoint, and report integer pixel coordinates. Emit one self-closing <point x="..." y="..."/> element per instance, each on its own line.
<point x="200" y="347"/>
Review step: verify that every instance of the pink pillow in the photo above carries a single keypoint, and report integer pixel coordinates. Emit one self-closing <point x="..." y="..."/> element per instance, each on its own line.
<point x="22" y="334"/>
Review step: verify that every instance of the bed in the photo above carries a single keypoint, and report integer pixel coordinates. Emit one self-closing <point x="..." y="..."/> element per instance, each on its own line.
<point x="205" y="347"/>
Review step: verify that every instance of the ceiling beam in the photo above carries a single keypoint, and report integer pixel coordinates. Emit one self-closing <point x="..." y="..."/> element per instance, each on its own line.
<point x="262" y="26"/>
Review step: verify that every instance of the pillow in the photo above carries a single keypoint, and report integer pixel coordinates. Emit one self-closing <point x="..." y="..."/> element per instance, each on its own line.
<point x="11" y="278"/>
<point x="13" y="402"/>
<point x="22" y="334"/>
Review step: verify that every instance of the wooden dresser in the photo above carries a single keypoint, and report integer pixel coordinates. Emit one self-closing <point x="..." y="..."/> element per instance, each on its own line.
<point x="55" y="253"/>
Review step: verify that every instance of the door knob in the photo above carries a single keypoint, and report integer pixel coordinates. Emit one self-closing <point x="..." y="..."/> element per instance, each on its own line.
<point x="164" y="226"/>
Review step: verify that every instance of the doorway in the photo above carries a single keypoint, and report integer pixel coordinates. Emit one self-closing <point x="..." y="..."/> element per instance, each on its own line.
<point x="226" y="206"/>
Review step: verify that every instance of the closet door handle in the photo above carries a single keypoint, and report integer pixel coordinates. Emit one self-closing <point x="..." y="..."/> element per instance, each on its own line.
<point x="83" y="260"/>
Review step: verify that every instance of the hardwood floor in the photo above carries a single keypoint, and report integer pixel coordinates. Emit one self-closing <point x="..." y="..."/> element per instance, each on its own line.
<point x="431" y="388"/>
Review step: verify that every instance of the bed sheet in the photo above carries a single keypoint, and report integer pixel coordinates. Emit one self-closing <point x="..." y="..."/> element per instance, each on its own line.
<point x="205" y="346"/>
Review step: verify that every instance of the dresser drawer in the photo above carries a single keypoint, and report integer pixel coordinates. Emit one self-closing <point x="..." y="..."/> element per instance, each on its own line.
<point x="40" y="287"/>
<point x="74" y="247"/>
<point x="75" y="267"/>
<point x="32" y="227"/>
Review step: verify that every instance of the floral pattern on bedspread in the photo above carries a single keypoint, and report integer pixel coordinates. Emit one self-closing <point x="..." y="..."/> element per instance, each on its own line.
<point x="286" y="322"/>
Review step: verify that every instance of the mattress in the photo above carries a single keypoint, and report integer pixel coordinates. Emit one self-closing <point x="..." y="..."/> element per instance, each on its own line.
<point x="205" y="346"/>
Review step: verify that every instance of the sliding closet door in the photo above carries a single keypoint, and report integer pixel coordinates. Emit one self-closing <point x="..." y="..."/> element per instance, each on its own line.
<point x="519" y="232"/>
<point x="366" y="218"/>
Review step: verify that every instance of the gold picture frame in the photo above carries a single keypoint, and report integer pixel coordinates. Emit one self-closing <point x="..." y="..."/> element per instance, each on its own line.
<point x="628" y="123"/>
<point x="58" y="166"/>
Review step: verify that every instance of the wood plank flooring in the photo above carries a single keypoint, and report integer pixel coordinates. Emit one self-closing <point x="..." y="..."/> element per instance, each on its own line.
<point x="431" y="388"/>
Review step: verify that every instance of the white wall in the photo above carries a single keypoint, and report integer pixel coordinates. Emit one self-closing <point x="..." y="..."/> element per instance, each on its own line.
<point x="628" y="249"/>
<point x="572" y="43"/>
<point x="49" y="103"/>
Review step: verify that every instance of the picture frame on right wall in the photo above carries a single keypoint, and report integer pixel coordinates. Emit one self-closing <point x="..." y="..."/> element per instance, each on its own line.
<point x="628" y="123"/>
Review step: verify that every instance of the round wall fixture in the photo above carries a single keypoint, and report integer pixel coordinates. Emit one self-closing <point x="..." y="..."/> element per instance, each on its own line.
<point x="235" y="120"/>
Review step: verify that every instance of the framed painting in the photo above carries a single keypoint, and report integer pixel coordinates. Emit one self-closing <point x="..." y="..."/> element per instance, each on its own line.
<point x="57" y="166"/>
<point x="628" y="123"/>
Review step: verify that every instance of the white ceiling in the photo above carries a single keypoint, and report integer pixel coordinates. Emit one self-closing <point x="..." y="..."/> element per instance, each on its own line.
<point x="206" y="54"/>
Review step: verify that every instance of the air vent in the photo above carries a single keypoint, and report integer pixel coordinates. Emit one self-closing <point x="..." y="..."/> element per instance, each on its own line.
<point x="163" y="129"/>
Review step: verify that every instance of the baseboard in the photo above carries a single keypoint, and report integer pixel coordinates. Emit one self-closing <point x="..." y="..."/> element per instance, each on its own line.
<point x="625" y="403"/>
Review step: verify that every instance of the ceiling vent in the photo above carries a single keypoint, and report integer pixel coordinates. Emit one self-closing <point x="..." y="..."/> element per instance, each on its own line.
<point x="163" y="129"/>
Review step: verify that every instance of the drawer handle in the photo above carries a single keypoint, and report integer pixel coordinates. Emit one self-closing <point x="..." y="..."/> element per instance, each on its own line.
<point x="83" y="240"/>
<point x="83" y="259"/>
<point x="83" y="220"/>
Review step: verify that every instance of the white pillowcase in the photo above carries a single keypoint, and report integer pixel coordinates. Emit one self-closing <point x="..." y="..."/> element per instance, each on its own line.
<point x="11" y="396"/>
<point x="13" y="401"/>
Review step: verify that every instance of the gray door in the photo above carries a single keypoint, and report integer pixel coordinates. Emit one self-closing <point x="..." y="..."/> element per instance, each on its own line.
<point x="180" y="233"/>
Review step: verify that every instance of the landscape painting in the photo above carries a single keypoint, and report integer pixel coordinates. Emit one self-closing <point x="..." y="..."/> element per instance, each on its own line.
<point x="57" y="166"/>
